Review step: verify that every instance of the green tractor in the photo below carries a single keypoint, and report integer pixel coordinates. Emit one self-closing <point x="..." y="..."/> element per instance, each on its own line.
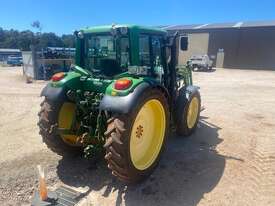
<point x="122" y="96"/>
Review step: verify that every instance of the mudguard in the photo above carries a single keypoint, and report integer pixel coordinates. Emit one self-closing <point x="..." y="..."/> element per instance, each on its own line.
<point x="186" y="92"/>
<point x="53" y="93"/>
<point x="124" y="104"/>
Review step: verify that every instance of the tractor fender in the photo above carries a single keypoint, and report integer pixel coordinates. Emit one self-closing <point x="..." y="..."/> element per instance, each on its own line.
<point x="186" y="92"/>
<point x="53" y="93"/>
<point x="124" y="104"/>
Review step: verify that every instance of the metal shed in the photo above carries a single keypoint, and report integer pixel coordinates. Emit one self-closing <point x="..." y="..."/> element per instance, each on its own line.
<point x="5" y="53"/>
<point x="43" y="64"/>
<point x="247" y="45"/>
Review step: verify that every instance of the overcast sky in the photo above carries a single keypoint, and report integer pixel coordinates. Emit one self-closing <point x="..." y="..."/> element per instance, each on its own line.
<point x="64" y="16"/>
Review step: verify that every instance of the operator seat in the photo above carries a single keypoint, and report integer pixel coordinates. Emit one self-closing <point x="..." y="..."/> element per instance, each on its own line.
<point x="110" y="67"/>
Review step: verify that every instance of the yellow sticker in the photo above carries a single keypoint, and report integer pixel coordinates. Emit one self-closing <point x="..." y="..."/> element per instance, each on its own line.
<point x="114" y="93"/>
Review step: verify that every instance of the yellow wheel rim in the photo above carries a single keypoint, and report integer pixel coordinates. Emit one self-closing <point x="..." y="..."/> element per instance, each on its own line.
<point x="147" y="134"/>
<point x="192" y="113"/>
<point x="65" y="121"/>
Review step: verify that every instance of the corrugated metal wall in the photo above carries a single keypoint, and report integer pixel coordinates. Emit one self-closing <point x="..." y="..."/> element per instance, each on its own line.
<point x="247" y="48"/>
<point x="256" y="48"/>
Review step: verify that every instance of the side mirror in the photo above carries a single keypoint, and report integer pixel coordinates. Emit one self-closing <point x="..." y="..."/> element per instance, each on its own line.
<point x="79" y="34"/>
<point x="184" y="43"/>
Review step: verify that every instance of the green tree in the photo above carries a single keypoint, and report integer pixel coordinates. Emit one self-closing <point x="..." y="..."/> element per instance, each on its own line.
<point x="25" y="39"/>
<point x="68" y="40"/>
<point x="50" y="40"/>
<point x="11" y="39"/>
<point x="22" y="40"/>
<point x="37" y="25"/>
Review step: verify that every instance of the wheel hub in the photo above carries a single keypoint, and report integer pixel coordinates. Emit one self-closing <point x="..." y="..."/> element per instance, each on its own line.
<point x="147" y="134"/>
<point x="139" y="131"/>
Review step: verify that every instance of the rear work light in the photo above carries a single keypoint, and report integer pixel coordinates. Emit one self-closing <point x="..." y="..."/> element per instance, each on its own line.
<point x="122" y="84"/>
<point x="58" y="76"/>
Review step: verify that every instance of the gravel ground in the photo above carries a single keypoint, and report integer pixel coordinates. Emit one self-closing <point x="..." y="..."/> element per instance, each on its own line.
<point x="229" y="160"/>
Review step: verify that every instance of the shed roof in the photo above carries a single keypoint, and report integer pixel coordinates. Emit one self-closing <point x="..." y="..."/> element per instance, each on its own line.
<point x="240" y="24"/>
<point x="9" y="50"/>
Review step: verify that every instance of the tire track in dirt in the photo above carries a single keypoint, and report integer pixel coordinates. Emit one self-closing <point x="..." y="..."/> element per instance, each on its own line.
<point x="261" y="168"/>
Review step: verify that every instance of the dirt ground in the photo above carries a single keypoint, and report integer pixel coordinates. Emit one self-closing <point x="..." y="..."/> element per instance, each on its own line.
<point x="229" y="160"/>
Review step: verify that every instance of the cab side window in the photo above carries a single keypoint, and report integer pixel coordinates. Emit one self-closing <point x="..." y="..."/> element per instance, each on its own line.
<point x="124" y="51"/>
<point x="156" y="51"/>
<point x="144" y="50"/>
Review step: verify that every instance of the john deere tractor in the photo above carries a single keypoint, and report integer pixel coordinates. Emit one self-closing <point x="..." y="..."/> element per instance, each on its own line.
<point x="122" y="97"/>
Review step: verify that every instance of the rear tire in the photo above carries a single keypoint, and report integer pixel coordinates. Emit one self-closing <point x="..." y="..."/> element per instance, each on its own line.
<point x="48" y="124"/>
<point x="119" y="134"/>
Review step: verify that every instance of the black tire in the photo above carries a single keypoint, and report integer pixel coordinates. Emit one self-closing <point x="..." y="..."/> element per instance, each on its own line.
<point x="182" y="126"/>
<point x="209" y="68"/>
<point x="118" y="141"/>
<point x="47" y="123"/>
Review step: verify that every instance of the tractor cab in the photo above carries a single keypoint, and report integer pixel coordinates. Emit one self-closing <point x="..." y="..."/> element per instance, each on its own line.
<point x="114" y="51"/>
<point x="111" y="50"/>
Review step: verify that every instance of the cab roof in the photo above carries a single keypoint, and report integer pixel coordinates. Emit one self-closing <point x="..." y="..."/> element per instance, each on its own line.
<point x="107" y="28"/>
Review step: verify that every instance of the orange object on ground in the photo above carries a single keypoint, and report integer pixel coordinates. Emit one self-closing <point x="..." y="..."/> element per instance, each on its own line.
<point x="43" y="192"/>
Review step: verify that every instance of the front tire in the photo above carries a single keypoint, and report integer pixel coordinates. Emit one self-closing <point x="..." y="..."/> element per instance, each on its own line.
<point x="188" y="114"/>
<point x="135" y="141"/>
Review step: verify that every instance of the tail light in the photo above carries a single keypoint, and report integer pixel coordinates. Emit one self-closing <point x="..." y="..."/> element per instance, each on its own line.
<point x="122" y="84"/>
<point x="58" y="76"/>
